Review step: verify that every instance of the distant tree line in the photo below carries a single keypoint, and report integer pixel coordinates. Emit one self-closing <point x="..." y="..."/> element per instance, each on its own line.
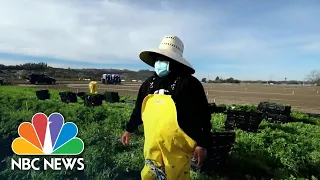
<point x="220" y="80"/>
<point x="312" y="78"/>
<point x="23" y="70"/>
<point x="27" y="66"/>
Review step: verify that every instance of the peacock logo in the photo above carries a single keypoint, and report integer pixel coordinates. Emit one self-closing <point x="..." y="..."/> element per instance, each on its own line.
<point x="47" y="136"/>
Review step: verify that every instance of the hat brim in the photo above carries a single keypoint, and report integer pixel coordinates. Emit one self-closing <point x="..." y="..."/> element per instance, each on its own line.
<point x="147" y="57"/>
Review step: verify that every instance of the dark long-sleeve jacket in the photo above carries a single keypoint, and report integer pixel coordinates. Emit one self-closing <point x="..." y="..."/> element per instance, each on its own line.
<point x="191" y="104"/>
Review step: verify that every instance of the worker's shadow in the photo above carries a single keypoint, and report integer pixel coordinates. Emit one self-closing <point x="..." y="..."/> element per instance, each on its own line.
<point x="131" y="175"/>
<point x="245" y="164"/>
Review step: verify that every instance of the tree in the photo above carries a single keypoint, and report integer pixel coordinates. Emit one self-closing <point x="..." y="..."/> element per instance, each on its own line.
<point x="232" y="80"/>
<point x="314" y="76"/>
<point x="217" y="78"/>
<point x="204" y="80"/>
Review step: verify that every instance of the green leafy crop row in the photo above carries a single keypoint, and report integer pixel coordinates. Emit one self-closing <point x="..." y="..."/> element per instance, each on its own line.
<point x="278" y="151"/>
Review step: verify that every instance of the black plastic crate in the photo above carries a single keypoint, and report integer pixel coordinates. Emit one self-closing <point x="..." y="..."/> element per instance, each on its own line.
<point x="68" y="97"/>
<point x="43" y="94"/>
<point x="276" y="118"/>
<point x="112" y="97"/>
<point x="263" y="105"/>
<point x="93" y="99"/>
<point x="247" y="121"/>
<point x="276" y="111"/>
<point x="273" y="108"/>
<point x="221" y="145"/>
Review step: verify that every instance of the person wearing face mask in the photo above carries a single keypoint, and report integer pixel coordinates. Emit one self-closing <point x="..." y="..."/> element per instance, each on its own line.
<point x="173" y="108"/>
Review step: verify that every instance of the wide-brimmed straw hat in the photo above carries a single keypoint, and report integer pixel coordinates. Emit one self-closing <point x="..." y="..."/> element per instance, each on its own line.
<point x="171" y="47"/>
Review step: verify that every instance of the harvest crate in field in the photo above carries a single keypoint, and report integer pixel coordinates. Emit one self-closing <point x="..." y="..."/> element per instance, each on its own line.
<point x="68" y="97"/>
<point x="43" y="94"/>
<point x="273" y="108"/>
<point x="93" y="99"/>
<point x="275" y="113"/>
<point x="276" y="118"/>
<point x="247" y="121"/>
<point x="221" y="145"/>
<point x="112" y="97"/>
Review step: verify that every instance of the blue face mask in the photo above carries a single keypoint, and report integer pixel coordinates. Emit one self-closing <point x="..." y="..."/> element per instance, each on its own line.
<point x="161" y="68"/>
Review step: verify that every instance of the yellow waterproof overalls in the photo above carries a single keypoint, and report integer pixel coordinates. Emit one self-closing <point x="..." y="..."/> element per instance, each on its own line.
<point x="167" y="148"/>
<point x="93" y="86"/>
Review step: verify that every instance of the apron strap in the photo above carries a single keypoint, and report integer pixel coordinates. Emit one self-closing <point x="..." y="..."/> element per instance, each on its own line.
<point x="171" y="90"/>
<point x="151" y="86"/>
<point x="173" y="86"/>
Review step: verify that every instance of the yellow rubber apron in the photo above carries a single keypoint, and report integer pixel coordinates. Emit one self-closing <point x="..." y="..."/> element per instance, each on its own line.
<point x="93" y="86"/>
<point x="167" y="149"/>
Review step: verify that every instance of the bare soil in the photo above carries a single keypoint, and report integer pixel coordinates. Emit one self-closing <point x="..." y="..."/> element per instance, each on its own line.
<point x="304" y="98"/>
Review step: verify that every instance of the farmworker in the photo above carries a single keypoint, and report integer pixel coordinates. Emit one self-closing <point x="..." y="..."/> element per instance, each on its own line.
<point x="173" y="108"/>
<point x="112" y="78"/>
<point x="109" y="79"/>
<point x="93" y="86"/>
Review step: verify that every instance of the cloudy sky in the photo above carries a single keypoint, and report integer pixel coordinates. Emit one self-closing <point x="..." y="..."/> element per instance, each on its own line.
<point x="240" y="38"/>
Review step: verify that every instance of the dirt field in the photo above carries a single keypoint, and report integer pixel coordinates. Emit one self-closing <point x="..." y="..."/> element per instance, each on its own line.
<point x="299" y="97"/>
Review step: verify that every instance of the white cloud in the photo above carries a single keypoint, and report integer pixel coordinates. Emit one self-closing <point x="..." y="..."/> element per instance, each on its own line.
<point x="103" y="31"/>
<point x="99" y="31"/>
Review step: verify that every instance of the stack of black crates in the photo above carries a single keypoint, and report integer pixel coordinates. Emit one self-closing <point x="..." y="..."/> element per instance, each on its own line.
<point x="274" y="112"/>
<point x="221" y="144"/>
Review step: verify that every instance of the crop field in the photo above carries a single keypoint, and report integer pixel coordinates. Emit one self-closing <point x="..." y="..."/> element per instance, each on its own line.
<point x="303" y="98"/>
<point x="276" y="151"/>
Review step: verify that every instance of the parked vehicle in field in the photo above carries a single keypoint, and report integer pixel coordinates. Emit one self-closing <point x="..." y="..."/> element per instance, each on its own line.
<point x="41" y="79"/>
<point x="111" y="79"/>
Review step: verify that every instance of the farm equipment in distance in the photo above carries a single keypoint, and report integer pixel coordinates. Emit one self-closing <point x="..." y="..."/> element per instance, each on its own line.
<point x="111" y="79"/>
